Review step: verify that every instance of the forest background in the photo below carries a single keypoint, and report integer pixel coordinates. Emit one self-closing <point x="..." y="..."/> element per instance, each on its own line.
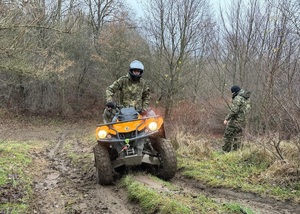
<point x="58" y="57"/>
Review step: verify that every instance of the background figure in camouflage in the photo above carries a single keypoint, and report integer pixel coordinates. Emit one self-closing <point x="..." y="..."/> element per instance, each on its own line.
<point x="134" y="92"/>
<point x="235" y="121"/>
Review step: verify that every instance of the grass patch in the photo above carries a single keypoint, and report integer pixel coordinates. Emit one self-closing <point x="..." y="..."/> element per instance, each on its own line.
<point x="242" y="170"/>
<point x="153" y="200"/>
<point x="15" y="180"/>
<point x="236" y="208"/>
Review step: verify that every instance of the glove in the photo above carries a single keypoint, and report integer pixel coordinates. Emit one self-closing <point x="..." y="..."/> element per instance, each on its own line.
<point x="143" y="113"/>
<point x="111" y="105"/>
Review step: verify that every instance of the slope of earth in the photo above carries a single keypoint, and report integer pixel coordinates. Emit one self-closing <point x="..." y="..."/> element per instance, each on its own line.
<point x="65" y="182"/>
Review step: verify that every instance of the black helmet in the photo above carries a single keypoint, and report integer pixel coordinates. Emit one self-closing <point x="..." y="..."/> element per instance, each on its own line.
<point x="136" y="65"/>
<point x="235" y="89"/>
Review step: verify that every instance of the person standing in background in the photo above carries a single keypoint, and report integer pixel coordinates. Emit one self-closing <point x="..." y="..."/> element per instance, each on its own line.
<point x="235" y="120"/>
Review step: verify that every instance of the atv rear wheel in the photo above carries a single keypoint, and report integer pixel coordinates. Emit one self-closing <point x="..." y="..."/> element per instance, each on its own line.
<point x="103" y="165"/>
<point x="167" y="157"/>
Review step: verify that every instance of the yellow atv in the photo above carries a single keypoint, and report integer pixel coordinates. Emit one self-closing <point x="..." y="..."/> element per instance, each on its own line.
<point x="133" y="140"/>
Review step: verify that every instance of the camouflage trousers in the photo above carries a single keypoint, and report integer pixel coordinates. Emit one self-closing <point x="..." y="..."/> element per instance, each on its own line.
<point x="232" y="137"/>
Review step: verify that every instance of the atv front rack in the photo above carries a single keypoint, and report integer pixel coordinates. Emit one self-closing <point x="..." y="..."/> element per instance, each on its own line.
<point x="129" y="130"/>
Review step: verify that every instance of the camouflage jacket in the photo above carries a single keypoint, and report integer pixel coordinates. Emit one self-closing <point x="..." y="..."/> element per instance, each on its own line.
<point x="239" y="108"/>
<point x="132" y="93"/>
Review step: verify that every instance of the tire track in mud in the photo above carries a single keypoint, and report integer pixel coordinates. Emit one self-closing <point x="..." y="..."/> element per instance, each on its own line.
<point x="193" y="188"/>
<point x="61" y="187"/>
<point x="222" y="195"/>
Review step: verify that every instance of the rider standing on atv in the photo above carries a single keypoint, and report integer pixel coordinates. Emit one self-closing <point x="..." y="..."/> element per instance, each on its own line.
<point x="134" y="92"/>
<point x="235" y="120"/>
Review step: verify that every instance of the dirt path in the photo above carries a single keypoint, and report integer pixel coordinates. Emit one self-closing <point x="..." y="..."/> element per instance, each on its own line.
<point x="60" y="186"/>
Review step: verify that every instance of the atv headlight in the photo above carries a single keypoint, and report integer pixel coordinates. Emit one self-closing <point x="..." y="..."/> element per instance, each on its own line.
<point x="102" y="134"/>
<point x="152" y="126"/>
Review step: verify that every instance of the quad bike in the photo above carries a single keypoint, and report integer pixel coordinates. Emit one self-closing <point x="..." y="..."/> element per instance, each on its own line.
<point x="133" y="140"/>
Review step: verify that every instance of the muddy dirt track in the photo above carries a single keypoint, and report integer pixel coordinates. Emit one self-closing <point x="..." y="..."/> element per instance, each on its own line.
<point x="64" y="186"/>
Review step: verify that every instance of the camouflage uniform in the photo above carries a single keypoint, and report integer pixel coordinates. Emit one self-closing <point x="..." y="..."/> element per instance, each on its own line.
<point x="236" y="121"/>
<point x="132" y="93"/>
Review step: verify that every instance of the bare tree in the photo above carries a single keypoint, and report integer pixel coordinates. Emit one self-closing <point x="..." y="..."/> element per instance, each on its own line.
<point x="259" y="50"/>
<point x="48" y="58"/>
<point x="102" y="12"/>
<point x="173" y="30"/>
<point x="30" y="56"/>
<point x="121" y="44"/>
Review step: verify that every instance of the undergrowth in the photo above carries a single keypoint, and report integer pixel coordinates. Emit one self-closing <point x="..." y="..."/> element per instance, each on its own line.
<point x="15" y="179"/>
<point x="251" y="169"/>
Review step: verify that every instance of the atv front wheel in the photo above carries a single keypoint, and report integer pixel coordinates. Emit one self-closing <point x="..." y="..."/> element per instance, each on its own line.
<point x="103" y="165"/>
<point x="167" y="157"/>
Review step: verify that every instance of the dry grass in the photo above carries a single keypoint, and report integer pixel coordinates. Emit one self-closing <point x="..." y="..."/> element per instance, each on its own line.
<point x="254" y="153"/>
<point x="199" y="117"/>
<point x="281" y="172"/>
<point x="291" y="152"/>
<point x="284" y="172"/>
<point x="188" y="145"/>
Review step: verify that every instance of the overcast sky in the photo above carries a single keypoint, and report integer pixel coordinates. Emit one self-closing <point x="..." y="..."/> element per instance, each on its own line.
<point x="136" y="6"/>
